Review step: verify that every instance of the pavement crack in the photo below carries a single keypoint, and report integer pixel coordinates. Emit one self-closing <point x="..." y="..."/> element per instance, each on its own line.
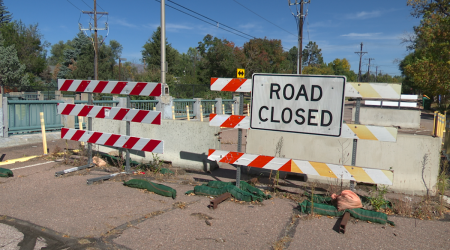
<point x="117" y="231"/>
<point x="287" y="234"/>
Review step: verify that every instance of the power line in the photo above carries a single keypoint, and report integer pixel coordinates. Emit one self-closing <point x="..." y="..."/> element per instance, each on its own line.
<point x="204" y="20"/>
<point x="100" y="6"/>
<point x="86" y="4"/>
<point x="210" y="19"/>
<point x="74" y="6"/>
<point x="263" y="18"/>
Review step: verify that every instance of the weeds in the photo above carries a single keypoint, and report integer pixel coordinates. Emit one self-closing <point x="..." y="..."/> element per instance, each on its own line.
<point x="377" y="199"/>
<point x="442" y="184"/>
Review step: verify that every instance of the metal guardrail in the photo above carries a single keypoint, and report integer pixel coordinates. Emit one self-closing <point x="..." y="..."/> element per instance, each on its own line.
<point x="23" y="116"/>
<point x="207" y="107"/>
<point x="180" y="107"/>
<point x="144" y="104"/>
<point x="103" y="103"/>
<point x="227" y="103"/>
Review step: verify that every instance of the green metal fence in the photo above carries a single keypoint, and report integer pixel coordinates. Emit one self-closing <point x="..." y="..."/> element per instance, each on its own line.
<point x="207" y="107"/>
<point x="144" y="104"/>
<point x="227" y="103"/>
<point x="24" y="117"/>
<point x="180" y="108"/>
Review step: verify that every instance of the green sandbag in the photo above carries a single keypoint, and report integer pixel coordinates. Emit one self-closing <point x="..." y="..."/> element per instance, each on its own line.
<point x="358" y="213"/>
<point x="323" y="209"/>
<point x="209" y="191"/>
<point x="319" y="198"/>
<point x="253" y="190"/>
<point x="368" y="215"/>
<point x="152" y="187"/>
<point x="242" y="195"/>
<point x="219" y="184"/>
<point x="6" y="173"/>
<point x="246" y="192"/>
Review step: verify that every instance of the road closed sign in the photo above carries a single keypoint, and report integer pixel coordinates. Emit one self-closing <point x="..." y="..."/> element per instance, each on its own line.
<point x="298" y="103"/>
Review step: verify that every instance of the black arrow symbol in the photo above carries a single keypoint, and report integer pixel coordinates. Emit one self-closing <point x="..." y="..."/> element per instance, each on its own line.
<point x="240" y="73"/>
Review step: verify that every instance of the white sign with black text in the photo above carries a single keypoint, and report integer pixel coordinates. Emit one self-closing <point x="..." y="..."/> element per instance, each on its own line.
<point x="298" y="103"/>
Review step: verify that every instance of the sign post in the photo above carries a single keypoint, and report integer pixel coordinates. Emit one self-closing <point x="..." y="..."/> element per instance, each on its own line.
<point x="298" y="103"/>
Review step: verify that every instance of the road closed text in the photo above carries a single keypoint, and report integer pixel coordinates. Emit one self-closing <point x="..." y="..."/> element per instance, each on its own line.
<point x="299" y="116"/>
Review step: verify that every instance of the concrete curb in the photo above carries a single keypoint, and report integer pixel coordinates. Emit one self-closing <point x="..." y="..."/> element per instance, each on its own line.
<point x="19" y="140"/>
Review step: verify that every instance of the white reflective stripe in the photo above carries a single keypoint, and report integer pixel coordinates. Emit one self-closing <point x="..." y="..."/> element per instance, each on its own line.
<point x="246" y="159"/>
<point x="69" y="134"/>
<point x="387" y="90"/>
<point x="276" y="163"/>
<point x="306" y="167"/>
<point x="378" y="176"/>
<point x="95" y="111"/>
<point x="76" y="110"/>
<point x="85" y="137"/>
<point x="151" y="116"/>
<point x="121" y="141"/>
<point x="128" y="88"/>
<point x="340" y="172"/>
<point x="140" y="144"/>
<point x="75" y="84"/>
<point x="382" y="133"/>
<point x="108" y="88"/>
<point x="61" y="107"/>
<point x="217" y="155"/>
<point x="346" y="132"/>
<point x="218" y="120"/>
<point x="112" y="113"/>
<point x="149" y="89"/>
<point x="159" y="149"/>
<point x="103" y="138"/>
<point x="409" y="97"/>
<point x="130" y="114"/>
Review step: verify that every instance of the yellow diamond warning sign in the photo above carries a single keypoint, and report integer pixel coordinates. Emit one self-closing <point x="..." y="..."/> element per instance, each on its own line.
<point x="240" y="73"/>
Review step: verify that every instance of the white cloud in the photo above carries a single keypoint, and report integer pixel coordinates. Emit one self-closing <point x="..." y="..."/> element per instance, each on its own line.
<point x="373" y="36"/>
<point x="122" y="22"/>
<point x="169" y="27"/>
<point x="365" y="15"/>
<point x="362" y="34"/>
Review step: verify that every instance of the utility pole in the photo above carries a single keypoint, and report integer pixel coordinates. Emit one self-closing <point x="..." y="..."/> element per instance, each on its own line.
<point x="376" y="73"/>
<point x="361" y="53"/>
<point x="95" y="35"/>
<point x="163" y="41"/>
<point x="121" y="59"/>
<point x="90" y="101"/>
<point x="368" y="70"/>
<point x="300" y="17"/>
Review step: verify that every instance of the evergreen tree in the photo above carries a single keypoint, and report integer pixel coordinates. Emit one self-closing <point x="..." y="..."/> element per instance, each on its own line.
<point x="12" y="72"/>
<point x="5" y="17"/>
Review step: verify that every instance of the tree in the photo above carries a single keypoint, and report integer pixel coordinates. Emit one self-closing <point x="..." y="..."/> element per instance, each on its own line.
<point x="218" y="58"/>
<point x="342" y="67"/>
<point x="430" y="66"/>
<point x="57" y="52"/>
<point x="152" y="52"/>
<point x="5" y="17"/>
<point x="421" y="7"/>
<point x="312" y="55"/>
<point x="28" y="44"/>
<point x="263" y="56"/>
<point x="12" y="72"/>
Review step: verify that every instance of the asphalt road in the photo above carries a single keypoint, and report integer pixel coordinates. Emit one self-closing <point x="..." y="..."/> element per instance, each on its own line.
<point x="38" y="209"/>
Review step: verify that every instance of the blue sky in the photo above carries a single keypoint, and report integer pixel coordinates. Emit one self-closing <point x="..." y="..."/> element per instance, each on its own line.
<point x="338" y="27"/>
